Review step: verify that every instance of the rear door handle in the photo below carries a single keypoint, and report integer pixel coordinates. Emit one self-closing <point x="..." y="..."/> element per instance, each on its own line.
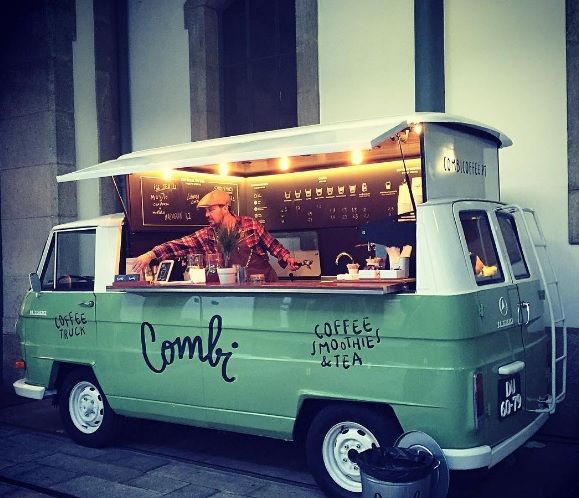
<point x="512" y="368"/>
<point x="526" y="306"/>
<point x="87" y="304"/>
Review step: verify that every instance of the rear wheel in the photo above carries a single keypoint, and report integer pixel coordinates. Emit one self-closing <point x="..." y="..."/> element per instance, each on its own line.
<point x="335" y="435"/>
<point x="85" y="411"/>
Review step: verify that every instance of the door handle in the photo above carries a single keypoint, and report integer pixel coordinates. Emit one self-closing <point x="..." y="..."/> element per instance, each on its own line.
<point x="512" y="368"/>
<point x="86" y="304"/>
<point x="525" y="305"/>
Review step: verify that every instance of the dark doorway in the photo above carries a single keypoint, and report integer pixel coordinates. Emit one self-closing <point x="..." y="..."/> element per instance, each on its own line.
<point x="259" y="75"/>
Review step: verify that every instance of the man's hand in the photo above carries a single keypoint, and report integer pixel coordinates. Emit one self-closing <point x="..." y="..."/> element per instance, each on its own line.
<point x="143" y="261"/>
<point x="293" y="263"/>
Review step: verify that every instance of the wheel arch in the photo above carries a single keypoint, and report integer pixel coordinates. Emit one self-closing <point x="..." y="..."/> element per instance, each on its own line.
<point x="311" y="406"/>
<point x="60" y="369"/>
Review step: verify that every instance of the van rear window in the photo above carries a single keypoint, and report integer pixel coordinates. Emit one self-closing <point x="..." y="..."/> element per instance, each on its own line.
<point x="481" y="247"/>
<point x="513" y="243"/>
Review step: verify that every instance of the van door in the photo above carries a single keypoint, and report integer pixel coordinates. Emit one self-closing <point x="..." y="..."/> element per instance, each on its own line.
<point x="60" y="320"/>
<point x="530" y="310"/>
<point x="498" y="301"/>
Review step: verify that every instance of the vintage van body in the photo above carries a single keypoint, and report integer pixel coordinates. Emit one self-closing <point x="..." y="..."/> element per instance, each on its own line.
<point x="467" y="359"/>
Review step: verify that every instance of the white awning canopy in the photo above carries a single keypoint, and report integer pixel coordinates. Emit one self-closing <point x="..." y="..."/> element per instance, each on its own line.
<point x="301" y="141"/>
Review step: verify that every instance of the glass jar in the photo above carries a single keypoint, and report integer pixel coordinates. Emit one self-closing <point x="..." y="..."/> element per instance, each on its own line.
<point x="213" y="261"/>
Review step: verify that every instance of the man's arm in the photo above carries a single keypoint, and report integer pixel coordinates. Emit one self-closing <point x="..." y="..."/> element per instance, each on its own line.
<point x="275" y="247"/>
<point x="172" y="249"/>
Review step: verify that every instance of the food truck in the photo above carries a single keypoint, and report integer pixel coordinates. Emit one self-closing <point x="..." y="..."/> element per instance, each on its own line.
<point x="425" y="302"/>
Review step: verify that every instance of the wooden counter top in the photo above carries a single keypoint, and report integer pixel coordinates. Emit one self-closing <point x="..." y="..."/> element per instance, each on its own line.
<point x="362" y="286"/>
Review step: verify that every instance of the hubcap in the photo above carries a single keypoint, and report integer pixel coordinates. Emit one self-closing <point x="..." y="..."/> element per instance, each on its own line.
<point x="340" y="440"/>
<point x="86" y="407"/>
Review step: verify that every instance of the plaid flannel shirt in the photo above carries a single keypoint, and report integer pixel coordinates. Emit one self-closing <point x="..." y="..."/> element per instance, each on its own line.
<point x="205" y="241"/>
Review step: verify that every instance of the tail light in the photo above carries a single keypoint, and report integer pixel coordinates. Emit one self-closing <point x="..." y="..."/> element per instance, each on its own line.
<point x="20" y="364"/>
<point x="478" y="399"/>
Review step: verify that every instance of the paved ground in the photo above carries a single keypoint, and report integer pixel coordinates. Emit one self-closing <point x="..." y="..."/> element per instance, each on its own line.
<point x="157" y="459"/>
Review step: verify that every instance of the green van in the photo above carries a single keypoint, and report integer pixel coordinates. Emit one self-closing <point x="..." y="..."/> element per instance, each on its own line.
<point x="464" y="355"/>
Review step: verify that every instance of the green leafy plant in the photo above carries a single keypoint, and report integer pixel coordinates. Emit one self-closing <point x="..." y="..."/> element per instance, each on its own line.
<point x="227" y="239"/>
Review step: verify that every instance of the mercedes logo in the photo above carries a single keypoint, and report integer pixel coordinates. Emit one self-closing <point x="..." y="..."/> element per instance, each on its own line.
<point x="503" y="306"/>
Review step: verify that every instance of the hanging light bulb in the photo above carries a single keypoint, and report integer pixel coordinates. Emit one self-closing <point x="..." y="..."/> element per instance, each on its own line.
<point x="284" y="163"/>
<point x="224" y="168"/>
<point x="356" y="156"/>
<point x="417" y="128"/>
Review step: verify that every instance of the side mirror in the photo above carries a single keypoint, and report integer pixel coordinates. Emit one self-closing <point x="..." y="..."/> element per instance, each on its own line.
<point x="34" y="282"/>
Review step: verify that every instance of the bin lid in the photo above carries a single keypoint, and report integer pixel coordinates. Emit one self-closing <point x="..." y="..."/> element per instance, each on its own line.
<point x="396" y="464"/>
<point x="420" y="441"/>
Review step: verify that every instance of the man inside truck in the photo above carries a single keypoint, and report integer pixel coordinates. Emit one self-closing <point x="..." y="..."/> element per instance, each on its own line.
<point x="251" y="249"/>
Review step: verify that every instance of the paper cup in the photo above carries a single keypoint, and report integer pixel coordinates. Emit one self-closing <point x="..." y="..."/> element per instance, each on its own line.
<point x="197" y="275"/>
<point x="353" y="268"/>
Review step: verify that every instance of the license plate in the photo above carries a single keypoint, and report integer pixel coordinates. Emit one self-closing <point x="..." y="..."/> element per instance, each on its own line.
<point x="510" y="398"/>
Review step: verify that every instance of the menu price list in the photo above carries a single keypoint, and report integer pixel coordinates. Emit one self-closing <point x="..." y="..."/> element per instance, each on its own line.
<point x="342" y="197"/>
<point x="157" y="203"/>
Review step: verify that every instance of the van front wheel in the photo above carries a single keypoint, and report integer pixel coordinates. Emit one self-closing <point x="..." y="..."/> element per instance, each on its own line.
<point x="84" y="410"/>
<point x="334" y="434"/>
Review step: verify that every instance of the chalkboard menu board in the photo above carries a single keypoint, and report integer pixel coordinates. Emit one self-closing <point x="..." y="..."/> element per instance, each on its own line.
<point x="347" y="196"/>
<point x="157" y="203"/>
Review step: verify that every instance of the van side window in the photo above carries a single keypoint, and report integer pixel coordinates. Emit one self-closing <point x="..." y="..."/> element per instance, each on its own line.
<point x="75" y="260"/>
<point x="514" y="250"/>
<point x="481" y="247"/>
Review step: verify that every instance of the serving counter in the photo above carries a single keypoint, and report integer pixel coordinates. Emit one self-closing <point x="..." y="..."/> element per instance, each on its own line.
<point x="331" y="286"/>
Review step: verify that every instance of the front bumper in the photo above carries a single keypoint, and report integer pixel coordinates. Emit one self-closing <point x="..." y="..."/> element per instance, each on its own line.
<point x="26" y="390"/>
<point x="487" y="456"/>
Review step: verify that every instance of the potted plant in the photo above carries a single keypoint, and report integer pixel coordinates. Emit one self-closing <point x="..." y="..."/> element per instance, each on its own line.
<point x="227" y="239"/>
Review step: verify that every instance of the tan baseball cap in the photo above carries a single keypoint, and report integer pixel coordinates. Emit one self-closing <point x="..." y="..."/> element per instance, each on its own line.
<point x="215" y="197"/>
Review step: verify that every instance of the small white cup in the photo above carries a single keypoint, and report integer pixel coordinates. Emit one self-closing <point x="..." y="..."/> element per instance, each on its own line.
<point x="353" y="268"/>
<point x="197" y="275"/>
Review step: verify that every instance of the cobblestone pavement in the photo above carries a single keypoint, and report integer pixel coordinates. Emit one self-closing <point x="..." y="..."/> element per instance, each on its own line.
<point x="158" y="459"/>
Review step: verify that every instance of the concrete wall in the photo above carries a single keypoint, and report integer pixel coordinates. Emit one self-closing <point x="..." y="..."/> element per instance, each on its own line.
<point x="572" y="117"/>
<point x="86" y="130"/>
<point x="36" y="144"/>
<point x="366" y="58"/>
<point x="505" y="65"/>
<point x="159" y="73"/>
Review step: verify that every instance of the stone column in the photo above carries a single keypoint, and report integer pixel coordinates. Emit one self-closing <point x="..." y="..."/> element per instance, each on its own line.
<point x="106" y="29"/>
<point x="36" y="144"/>
<point x="202" y="23"/>
<point x="307" y="62"/>
<point x="572" y="117"/>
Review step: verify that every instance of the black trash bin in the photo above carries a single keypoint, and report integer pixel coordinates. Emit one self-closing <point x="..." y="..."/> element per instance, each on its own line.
<point x="396" y="472"/>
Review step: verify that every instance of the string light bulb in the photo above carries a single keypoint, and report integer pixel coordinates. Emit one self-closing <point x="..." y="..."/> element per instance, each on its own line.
<point x="417" y="128"/>
<point x="284" y="163"/>
<point x="356" y="156"/>
<point x="167" y="174"/>
<point x="224" y="168"/>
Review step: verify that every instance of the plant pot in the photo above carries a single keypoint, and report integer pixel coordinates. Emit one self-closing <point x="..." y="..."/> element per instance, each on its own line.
<point x="226" y="275"/>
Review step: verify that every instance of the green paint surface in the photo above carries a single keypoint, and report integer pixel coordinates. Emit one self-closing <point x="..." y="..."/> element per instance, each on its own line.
<point x="248" y="362"/>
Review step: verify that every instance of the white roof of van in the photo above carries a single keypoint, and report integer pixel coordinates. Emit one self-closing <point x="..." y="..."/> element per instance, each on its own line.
<point x="110" y="220"/>
<point x="304" y="140"/>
